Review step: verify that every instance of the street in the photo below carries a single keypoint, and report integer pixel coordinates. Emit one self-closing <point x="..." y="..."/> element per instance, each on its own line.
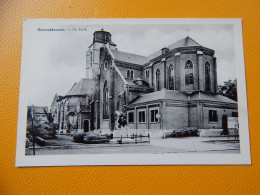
<point x="64" y="145"/>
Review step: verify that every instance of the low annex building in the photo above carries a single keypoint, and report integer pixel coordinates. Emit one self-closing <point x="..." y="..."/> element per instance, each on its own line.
<point x="167" y="109"/>
<point x="72" y="112"/>
<point x="172" y="88"/>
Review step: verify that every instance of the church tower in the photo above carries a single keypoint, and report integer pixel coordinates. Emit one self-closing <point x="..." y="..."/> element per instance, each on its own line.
<point x="100" y="39"/>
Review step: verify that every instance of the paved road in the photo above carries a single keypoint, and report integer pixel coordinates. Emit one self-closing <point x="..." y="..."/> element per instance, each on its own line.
<point x="169" y="145"/>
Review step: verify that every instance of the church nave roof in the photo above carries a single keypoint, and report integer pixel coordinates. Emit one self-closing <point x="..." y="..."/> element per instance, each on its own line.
<point x="129" y="57"/>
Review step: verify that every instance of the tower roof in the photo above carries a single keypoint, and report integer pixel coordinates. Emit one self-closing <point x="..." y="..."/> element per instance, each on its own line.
<point x="102" y="36"/>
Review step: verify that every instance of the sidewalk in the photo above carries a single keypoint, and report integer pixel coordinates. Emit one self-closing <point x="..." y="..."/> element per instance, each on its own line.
<point x="197" y="144"/>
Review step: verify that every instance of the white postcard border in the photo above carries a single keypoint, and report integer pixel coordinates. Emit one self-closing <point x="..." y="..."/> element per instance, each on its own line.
<point x="140" y="159"/>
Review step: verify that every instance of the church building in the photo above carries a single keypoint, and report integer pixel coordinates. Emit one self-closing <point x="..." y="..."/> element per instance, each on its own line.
<point x="73" y="111"/>
<point x="172" y="88"/>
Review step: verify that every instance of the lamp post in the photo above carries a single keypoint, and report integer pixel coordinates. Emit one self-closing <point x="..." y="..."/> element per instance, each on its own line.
<point x="33" y="133"/>
<point x="158" y="116"/>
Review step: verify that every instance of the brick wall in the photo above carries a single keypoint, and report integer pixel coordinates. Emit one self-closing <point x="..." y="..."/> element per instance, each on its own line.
<point x="123" y="70"/>
<point x="177" y="117"/>
<point x="220" y="113"/>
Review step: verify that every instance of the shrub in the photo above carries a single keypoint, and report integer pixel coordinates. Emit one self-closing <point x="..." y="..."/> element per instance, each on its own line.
<point x="94" y="138"/>
<point x="41" y="129"/>
<point x="184" y="132"/>
<point x="79" y="137"/>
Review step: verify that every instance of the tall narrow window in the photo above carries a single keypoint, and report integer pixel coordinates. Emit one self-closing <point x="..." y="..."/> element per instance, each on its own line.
<point x="128" y="74"/>
<point x="147" y="74"/>
<point x="158" y="80"/>
<point x="105" y="101"/>
<point x="189" y="80"/>
<point x="207" y="76"/>
<point x="101" y="54"/>
<point x="132" y="74"/>
<point x="130" y="117"/>
<point x="171" y="77"/>
<point x="153" y="115"/>
<point x="213" y="116"/>
<point x="141" y="117"/>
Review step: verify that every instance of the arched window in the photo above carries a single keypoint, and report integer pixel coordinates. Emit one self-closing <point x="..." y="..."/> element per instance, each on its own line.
<point x="189" y="80"/>
<point x="105" y="101"/>
<point x="171" y="77"/>
<point x="147" y="74"/>
<point x="207" y="76"/>
<point x="158" y="80"/>
<point x="132" y="74"/>
<point x="128" y="74"/>
<point x="101" y="54"/>
<point x="188" y="65"/>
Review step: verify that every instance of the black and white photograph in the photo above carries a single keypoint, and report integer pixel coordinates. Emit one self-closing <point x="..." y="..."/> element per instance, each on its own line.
<point x="132" y="92"/>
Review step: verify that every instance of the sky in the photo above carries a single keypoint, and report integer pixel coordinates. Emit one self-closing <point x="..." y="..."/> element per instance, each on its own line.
<point x="53" y="61"/>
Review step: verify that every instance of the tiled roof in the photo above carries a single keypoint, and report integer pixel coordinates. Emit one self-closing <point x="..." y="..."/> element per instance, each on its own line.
<point x="211" y="97"/>
<point x="185" y="42"/>
<point x="161" y="95"/>
<point x="54" y="101"/>
<point x="83" y="87"/>
<point x="179" y="96"/>
<point x="141" y="60"/>
<point x="73" y="86"/>
<point x="128" y="57"/>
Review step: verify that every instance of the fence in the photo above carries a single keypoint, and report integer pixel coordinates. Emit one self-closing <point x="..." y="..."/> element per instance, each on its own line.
<point x="133" y="139"/>
<point x="153" y="133"/>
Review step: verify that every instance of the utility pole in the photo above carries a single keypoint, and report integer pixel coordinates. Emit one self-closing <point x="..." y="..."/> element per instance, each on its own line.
<point x="33" y="136"/>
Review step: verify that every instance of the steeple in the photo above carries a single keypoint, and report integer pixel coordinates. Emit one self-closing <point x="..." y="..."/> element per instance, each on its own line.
<point x="103" y="37"/>
<point x="93" y="55"/>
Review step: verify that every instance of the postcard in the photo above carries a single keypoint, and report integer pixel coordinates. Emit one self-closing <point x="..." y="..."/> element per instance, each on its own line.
<point x="132" y="92"/>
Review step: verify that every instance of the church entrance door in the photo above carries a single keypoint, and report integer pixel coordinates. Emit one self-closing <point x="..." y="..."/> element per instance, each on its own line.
<point x="224" y="124"/>
<point x="86" y="125"/>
